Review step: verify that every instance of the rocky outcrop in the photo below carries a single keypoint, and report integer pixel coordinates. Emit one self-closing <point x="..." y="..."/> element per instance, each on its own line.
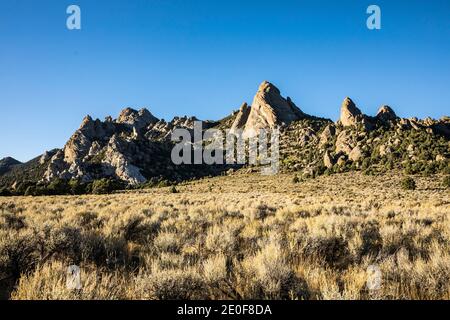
<point x="46" y="156"/>
<point x="306" y="136"/>
<point x="162" y="130"/>
<point x="344" y="142"/>
<point x="441" y="127"/>
<point x="241" y="118"/>
<point x="127" y="147"/>
<point x="138" y="119"/>
<point x="350" y="114"/>
<point x="327" y="134"/>
<point x="123" y="148"/>
<point x="116" y="162"/>
<point x="327" y="160"/>
<point x="77" y="147"/>
<point x="356" y="154"/>
<point x="385" y="113"/>
<point x="57" y="168"/>
<point x="269" y="109"/>
<point x="91" y="145"/>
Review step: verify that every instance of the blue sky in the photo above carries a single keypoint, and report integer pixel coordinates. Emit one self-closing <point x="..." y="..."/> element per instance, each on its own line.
<point x="205" y="58"/>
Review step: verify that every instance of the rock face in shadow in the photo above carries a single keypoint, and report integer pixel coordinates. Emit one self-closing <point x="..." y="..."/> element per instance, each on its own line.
<point x="7" y="163"/>
<point x="385" y="113"/>
<point x="241" y="118"/>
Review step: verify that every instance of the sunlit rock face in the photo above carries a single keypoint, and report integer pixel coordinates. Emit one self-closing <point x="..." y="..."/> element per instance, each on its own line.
<point x="269" y="109"/>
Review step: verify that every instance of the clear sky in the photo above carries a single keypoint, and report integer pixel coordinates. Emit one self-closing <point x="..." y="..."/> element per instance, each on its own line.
<point x="205" y="58"/>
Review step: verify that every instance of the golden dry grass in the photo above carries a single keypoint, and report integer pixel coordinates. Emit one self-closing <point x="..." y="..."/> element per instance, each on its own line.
<point x="236" y="237"/>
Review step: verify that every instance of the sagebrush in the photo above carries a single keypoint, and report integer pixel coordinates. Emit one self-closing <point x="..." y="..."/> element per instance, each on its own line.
<point x="238" y="237"/>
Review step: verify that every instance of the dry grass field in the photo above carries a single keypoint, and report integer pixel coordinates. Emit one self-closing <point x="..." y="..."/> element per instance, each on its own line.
<point x="234" y="237"/>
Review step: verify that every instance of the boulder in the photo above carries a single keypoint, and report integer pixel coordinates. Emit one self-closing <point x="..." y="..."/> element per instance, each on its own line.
<point x="344" y="143"/>
<point x="327" y="134"/>
<point x="384" y="150"/>
<point x="327" y="160"/>
<point x="356" y="154"/>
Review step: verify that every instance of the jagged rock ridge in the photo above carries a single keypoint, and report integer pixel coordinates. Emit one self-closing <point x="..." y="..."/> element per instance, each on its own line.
<point x="129" y="148"/>
<point x="136" y="146"/>
<point x="361" y="142"/>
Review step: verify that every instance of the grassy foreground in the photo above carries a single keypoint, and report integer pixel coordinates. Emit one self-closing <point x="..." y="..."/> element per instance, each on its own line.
<point x="236" y="237"/>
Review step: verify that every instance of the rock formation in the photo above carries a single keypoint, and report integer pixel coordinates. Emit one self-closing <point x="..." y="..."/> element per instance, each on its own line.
<point x="344" y="142"/>
<point x="269" y="109"/>
<point x="350" y="114"/>
<point x="136" y="146"/>
<point x="138" y="119"/>
<point x="327" y="134"/>
<point x="356" y="154"/>
<point x="241" y="118"/>
<point x="385" y="113"/>
<point x="327" y="160"/>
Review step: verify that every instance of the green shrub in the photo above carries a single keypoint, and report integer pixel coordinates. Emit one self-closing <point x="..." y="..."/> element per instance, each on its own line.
<point x="12" y="221"/>
<point x="172" y="285"/>
<point x="76" y="187"/>
<point x="65" y="242"/>
<point x="446" y="182"/>
<point x="105" y="186"/>
<point x="58" y="187"/>
<point x="22" y="187"/>
<point x="365" y="164"/>
<point x="332" y="251"/>
<point x="37" y="190"/>
<point x="408" y="183"/>
<point x="17" y="253"/>
<point x="5" y="192"/>
<point x="163" y="183"/>
<point x="31" y="191"/>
